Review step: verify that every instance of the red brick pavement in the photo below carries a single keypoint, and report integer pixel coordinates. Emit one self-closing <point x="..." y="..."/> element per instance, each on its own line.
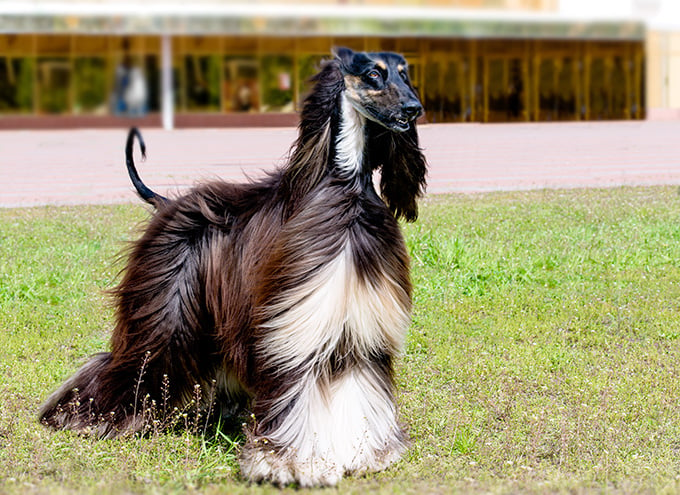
<point x="87" y="166"/>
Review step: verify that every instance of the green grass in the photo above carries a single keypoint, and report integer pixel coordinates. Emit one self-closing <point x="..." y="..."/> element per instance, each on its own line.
<point x="544" y="354"/>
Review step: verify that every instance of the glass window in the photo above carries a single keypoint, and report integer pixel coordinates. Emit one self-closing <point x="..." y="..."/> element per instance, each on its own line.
<point x="566" y="87"/>
<point x="457" y="107"/>
<point x="599" y="90"/>
<point x="415" y="73"/>
<point x="131" y="86"/>
<point x="547" y="96"/>
<point x="202" y="86"/>
<point x="619" y="79"/>
<point x="497" y="90"/>
<point x="90" y="85"/>
<point x="152" y="72"/>
<point x="54" y="79"/>
<point x="277" y="83"/>
<point x="16" y="84"/>
<point x="431" y="96"/>
<point x="506" y="95"/>
<point x="240" y="91"/>
<point x="447" y="88"/>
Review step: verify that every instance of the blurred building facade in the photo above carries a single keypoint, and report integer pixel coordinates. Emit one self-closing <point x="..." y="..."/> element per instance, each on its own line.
<point x="222" y="63"/>
<point x="663" y="55"/>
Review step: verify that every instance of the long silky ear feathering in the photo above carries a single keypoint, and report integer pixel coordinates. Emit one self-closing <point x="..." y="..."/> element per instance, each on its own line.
<point x="310" y="153"/>
<point x="403" y="169"/>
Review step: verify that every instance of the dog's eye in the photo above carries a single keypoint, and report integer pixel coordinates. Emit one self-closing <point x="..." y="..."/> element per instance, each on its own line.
<point x="403" y="75"/>
<point x="374" y="75"/>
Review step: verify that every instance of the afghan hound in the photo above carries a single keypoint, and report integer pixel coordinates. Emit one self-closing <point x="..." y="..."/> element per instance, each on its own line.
<point x="290" y="293"/>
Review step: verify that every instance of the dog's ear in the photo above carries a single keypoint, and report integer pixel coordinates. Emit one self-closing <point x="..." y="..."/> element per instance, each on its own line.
<point x="343" y="55"/>
<point x="349" y="60"/>
<point x="403" y="169"/>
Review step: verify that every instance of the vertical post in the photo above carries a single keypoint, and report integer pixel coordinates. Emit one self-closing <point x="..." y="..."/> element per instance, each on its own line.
<point x="167" y="92"/>
<point x="629" y="66"/>
<point x="640" y="102"/>
<point x="576" y="81"/>
<point x="557" y="69"/>
<point x="222" y="98"/>
<point x="536" y="85"/>
<point x="526" y="82"/>
<point x="34" y="74"/>
<point x="295" y="79"/>
<point x="73" y="79"/>
<point x="608" y="69"/>
<point x="665" y="69"/>
<point x="587" y="62"/>
<point x="474" y="61"/>
<point x="485" y="78"/>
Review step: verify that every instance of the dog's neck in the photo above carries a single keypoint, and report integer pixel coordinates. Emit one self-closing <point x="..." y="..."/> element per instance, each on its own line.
<point x="350" y="142"/>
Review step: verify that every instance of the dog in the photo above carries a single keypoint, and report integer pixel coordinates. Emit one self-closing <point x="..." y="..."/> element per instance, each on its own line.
<point x="289" y="295"/>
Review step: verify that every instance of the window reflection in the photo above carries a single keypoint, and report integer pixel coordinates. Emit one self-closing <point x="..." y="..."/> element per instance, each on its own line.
<point x="240" y="88"/>
<point x="277" y="83"/>
<point x="54" y="80"/>
<point x="16" y="84"/>
<point x="90" y="81"/>
<point x="202" y="82"/>
<point x="459" y="80"/>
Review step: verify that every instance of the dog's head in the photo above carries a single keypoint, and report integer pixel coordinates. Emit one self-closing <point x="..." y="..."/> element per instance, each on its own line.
<point x="378" y="86"/>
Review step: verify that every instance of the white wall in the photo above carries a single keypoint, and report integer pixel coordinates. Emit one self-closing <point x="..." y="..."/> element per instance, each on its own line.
<point x="597" y="8"/>
<point x="659" y="14"/>
<point x="667" y="16"/>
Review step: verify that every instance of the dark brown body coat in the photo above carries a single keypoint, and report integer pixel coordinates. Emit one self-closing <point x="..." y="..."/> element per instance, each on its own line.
<point x="215" y="266"/>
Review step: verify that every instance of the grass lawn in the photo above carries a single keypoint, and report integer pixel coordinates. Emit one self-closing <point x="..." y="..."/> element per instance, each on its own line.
<point x="544" y="354"/>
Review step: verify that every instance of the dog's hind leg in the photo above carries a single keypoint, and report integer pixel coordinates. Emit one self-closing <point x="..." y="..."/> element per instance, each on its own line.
<point x="162" y="347"/>
<point x="65" y="409"/>
<point x="87" y="403"/>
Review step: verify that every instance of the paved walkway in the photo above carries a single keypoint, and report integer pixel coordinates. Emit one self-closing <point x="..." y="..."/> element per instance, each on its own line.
<point x="87" y="166"/>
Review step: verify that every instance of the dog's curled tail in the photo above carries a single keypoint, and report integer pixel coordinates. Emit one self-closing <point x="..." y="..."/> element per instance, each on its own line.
<point x="144" y="192"/>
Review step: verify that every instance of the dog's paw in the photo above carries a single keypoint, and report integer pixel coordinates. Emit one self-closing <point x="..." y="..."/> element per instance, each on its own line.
<point x="374" y="461"/>
<point x="259" y="464"/>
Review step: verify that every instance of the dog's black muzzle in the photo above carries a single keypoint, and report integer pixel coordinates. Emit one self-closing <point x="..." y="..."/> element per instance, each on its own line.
<point x="412" y="110"/>
<point x="409" y="112"/>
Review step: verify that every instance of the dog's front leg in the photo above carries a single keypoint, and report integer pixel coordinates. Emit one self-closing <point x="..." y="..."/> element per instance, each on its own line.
<point x="321" y="371"/>
<point x="324" y="427"/>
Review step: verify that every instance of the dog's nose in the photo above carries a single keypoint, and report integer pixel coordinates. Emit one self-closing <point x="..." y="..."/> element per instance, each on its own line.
<point x="412" y="110"/>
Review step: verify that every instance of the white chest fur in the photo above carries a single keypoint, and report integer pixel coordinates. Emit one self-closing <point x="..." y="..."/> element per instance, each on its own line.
<point x="350" y="142"/>
<point x="336" y="304"/>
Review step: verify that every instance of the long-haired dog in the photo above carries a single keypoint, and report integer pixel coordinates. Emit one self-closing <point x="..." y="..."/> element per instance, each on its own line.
<point x="291" y="293"/>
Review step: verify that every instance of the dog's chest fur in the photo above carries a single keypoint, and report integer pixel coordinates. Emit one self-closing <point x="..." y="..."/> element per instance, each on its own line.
<point x="348" y="293"/>
<point x="336" y="312"/>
